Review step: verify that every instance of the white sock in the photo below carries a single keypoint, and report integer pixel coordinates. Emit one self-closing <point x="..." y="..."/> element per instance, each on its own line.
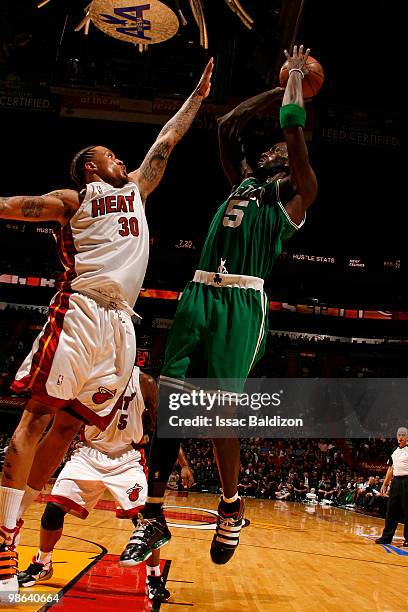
<point x="10" y="500"/>
<point x="153" y="570"/>
<point x="44" y="557"/>
<point x="29" y="496"/>
<point x="230" y="500"/>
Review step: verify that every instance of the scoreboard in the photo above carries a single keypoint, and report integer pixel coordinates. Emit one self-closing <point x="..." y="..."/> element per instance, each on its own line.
<point x="142" y="358"/>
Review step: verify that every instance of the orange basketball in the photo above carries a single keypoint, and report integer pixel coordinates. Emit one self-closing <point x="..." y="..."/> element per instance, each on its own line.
<point x="312" y="81"/>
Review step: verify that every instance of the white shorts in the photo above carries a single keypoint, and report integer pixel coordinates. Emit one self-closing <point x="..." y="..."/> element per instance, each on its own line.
<point x="83" y="358"/>
<point x="87" y="475"/>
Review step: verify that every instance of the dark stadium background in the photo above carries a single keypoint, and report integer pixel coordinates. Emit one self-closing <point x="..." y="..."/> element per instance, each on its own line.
<point x="356" y="142"/>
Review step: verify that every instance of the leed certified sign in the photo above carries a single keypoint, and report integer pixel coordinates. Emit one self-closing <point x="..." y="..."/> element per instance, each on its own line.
<point x="135" y="22"/>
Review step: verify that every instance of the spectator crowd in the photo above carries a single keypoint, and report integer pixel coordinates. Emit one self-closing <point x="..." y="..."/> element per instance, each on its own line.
<point x="304" y="470"/>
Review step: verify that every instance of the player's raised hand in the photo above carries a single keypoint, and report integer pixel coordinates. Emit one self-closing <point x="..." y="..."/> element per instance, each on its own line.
<point x="298" y="59"/>
<point x="204" y="84"/>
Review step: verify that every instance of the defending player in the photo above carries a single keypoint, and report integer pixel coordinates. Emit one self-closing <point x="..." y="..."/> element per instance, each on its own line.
<point x="83" y="358"/>
<point x="105" y="460"/>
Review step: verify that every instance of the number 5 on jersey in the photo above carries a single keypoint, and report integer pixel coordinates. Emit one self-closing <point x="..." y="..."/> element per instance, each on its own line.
<point x="123" y="421"/>
<point x="234" y="215"/>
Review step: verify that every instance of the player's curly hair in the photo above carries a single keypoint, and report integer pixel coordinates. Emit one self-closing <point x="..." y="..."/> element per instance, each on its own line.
<point x="77" y="171"/>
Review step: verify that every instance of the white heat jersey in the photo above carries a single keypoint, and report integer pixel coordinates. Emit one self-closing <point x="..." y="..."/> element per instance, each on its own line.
<point x="126" y="427"/>
<point x="105" y="246"/>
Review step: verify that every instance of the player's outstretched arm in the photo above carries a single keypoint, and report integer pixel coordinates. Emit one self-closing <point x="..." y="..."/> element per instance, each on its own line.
<point x="293" y="117"/>
<point x="151" y="171"/>
<point x="54" y="206"/>
<point x="230" y="126"/>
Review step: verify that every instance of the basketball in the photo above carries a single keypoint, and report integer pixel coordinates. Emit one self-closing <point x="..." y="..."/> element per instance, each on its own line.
<point x="312" y="81"/>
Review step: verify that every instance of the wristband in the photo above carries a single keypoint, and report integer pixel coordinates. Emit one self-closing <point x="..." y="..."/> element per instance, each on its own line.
<point x="297" y="70"/>
<point x="292" y="115"/>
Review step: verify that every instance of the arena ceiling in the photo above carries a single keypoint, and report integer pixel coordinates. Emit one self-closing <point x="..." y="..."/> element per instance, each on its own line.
<point x="357" y="135"/>
<point x="351" y="39"/>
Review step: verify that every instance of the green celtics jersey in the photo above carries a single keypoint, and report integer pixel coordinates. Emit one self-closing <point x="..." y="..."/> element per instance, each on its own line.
<point x="247" y="231"/>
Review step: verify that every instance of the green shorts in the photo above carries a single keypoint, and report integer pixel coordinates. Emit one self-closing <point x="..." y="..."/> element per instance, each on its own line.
<point x="219" y="332"/>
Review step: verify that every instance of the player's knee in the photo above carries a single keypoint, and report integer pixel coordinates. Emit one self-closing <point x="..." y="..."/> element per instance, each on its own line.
<point x="53" y="517"/>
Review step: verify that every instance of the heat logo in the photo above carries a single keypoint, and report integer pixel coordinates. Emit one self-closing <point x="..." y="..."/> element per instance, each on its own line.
<point x="133" y="492"/>
<point x="102" y="395"/>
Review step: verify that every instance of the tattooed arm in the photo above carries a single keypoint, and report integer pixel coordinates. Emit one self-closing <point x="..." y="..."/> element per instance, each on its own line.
<point x="151" y="171"/>
<point x="54" y="206"/>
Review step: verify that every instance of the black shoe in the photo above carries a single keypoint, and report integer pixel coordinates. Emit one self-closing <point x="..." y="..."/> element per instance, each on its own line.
<point x="36" y="572"/>
<point x="382" y="541"/>
<point x="405" y="544"/>
<point x="227" y="532"/>
<point x="155" y="589"/>
<point x="149" y="535"/>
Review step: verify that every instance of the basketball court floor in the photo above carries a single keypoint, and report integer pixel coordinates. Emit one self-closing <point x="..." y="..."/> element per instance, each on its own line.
<point x="291" y="557"/>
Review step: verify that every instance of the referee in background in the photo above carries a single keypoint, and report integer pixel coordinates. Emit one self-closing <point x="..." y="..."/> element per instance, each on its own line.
<point x="397" y="473"/>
